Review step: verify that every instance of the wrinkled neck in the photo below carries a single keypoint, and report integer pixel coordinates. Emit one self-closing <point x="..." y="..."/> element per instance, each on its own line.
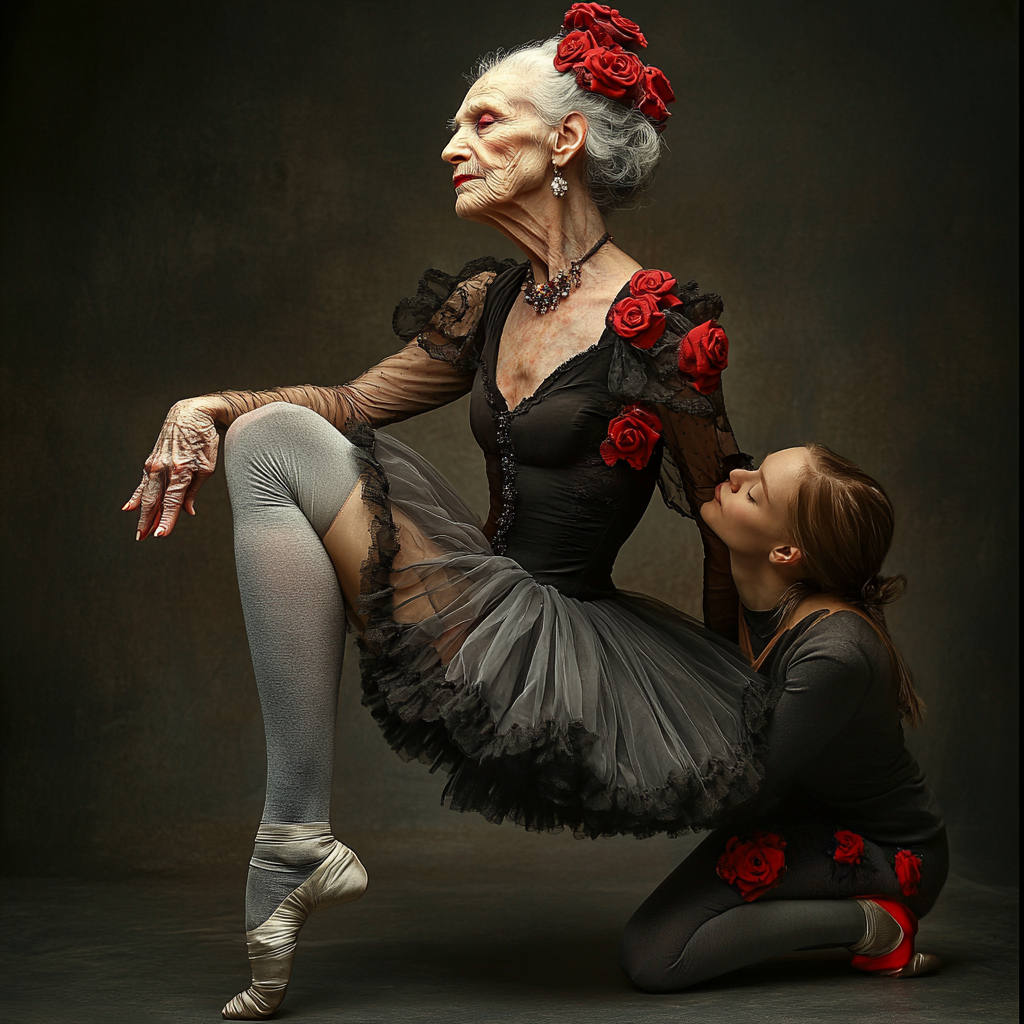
<point x="551" y="232"/>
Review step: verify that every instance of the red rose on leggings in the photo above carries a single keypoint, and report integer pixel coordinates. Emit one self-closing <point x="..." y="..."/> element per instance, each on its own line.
<point x="703" y="355"/>
<point x="753" y="865"/>
<point x="908" y="871"/>
<point x="849" y="847"/>
<point x="632" y="436"/>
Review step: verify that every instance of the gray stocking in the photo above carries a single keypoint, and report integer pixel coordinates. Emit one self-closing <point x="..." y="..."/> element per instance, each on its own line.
<point x="289" y="472"/>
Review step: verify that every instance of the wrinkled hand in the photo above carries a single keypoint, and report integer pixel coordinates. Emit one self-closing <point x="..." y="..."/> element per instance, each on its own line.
<point x="184" y="455"/>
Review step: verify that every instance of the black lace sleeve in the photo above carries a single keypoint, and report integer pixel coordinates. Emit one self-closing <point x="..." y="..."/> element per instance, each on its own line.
<point x="700" y="449"/>
<point x="446" y="310"/>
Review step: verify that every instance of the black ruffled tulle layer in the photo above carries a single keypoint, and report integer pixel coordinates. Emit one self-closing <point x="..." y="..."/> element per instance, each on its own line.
<point x="617" y="716"/>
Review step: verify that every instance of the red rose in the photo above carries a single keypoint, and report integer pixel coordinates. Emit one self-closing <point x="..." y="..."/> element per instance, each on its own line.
<point x="613" y="73"/>
<point x="639" y="319"/>
<point x="605" y="21"/>
<point x="753" y="865"/>
<point x="632" y="436"/>
<point x="657" y="94"/>
<point x="849" y="847"/>
<point x="625" y="31"/>
<point x="703" y="355"/>
<point x="658" y="283"/>
<point x="908" y="871"/>
<point x="573" y="48"/>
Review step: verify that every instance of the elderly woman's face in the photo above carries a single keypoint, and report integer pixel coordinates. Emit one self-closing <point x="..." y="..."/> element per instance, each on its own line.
<point x="500" y="150"/>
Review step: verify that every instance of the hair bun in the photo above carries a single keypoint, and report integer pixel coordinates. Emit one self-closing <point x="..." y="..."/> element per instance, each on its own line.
<point x="882" y="589"/>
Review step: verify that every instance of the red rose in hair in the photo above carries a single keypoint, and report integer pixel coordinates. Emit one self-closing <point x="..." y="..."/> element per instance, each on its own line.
<point x="632" y="436"/>
<point x="638" y="318"/>
<point x="657" y="94"/>
<point x="753" y="865"/>
<point x="658" y="283"/>
<point x="573" y="48"/>
<point x="849" y="847"/>
<point x="613" y="73"/>
<point x="703" y="355"/>
<point x="908" y="871"/>
<point x="605" y="20"/>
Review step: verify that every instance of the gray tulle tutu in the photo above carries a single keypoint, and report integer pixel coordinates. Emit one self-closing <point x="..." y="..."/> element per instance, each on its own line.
<point x="611" y="716"/>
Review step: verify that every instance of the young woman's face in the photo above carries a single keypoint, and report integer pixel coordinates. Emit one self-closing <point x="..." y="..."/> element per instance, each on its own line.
<point x="500" y="149"/>
<point x="751" y="510"/>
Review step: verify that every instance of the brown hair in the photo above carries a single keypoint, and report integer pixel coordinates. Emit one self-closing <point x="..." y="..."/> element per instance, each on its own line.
<point x="843" y="521"/>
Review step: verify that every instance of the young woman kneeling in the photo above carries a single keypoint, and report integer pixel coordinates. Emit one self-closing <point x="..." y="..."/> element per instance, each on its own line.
<point x="845" y="845"/>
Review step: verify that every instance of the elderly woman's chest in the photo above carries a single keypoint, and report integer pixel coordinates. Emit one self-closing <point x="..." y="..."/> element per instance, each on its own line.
<point x="561" y="424"/>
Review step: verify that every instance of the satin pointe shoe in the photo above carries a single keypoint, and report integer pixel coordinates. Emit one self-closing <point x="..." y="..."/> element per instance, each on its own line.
<point x="341" y="878"/>
<point x="888" y="944"/>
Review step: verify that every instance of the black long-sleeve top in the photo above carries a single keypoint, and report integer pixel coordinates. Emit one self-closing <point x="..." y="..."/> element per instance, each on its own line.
<point x="836" y="744"/>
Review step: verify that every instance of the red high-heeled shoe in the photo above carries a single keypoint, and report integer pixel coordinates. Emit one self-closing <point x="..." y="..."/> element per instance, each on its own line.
<point x="896" y="960"/>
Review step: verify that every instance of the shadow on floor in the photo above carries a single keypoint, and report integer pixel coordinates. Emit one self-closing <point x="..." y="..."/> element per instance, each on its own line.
<point x="428" y="950"/>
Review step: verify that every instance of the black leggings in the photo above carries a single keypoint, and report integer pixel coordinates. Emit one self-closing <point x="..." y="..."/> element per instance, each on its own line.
<point x="695" y="926"/>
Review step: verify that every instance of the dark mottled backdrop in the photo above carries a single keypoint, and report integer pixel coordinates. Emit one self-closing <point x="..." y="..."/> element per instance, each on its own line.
<point x="201" y="195"/>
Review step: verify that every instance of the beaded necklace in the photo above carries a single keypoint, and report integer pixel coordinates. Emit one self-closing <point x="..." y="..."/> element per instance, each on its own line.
<point x="545" y="297"/>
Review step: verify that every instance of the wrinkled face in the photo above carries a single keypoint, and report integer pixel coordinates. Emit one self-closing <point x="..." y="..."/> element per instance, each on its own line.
<point x="751" y="510"/>
<point x="500" y="150"/>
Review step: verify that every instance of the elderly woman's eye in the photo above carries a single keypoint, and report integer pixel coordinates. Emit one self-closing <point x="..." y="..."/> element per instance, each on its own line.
<point x="485" y="121"/>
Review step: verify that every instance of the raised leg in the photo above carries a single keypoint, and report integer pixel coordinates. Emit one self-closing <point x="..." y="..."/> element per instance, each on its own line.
<point x="289" y="473"/>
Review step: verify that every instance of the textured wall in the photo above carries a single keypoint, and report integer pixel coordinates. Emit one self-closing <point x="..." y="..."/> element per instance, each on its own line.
<point x="235" y="194"/>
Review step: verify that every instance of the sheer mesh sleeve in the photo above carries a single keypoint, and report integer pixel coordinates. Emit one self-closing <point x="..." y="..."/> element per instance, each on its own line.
<point x="400" y="386"/>
<point x="444" y="314"/>
<point x="700" y="448"/>
<point x="435" y="367"/>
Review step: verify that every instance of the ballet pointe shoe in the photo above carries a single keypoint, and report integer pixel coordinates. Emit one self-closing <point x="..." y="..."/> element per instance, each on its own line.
<point x="888" y="944"/>
<point x="341" y="878"/>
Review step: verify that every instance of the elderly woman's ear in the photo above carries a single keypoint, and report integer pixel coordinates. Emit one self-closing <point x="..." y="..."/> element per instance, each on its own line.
<point x="569" y="138"/>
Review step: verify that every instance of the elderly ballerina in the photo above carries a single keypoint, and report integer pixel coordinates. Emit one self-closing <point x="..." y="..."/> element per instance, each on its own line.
<point x="501" y="652"/>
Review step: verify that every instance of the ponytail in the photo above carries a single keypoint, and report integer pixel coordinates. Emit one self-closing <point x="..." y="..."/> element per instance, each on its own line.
<point x="843" y="523"/>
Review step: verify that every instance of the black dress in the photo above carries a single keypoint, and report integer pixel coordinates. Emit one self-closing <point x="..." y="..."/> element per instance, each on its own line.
<point x="503" y="652"/>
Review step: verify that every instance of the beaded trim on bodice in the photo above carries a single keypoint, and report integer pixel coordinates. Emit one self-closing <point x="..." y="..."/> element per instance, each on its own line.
<point x="503" y="422"/>
<point x="503" y="417"/>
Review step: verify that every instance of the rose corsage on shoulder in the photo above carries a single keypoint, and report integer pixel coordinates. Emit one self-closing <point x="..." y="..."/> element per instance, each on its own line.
<point x="654" y="307"/>
<point x="598" y="49"/>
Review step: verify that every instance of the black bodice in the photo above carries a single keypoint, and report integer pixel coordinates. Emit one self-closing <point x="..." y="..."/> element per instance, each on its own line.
<point x="565" y="513"/>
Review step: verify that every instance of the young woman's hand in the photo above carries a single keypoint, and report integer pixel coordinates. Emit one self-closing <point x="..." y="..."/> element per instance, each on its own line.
<point x="184" y="455"/>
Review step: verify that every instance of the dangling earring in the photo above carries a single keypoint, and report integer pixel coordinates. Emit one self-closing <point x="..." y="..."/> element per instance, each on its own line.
<point x="559" y="186"/>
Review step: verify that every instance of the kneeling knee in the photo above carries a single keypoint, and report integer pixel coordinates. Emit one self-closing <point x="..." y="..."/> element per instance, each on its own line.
<point x="647" y="965"/>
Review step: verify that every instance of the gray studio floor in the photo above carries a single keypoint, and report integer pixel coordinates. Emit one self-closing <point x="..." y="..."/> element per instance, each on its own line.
<point x="457" y="944"/>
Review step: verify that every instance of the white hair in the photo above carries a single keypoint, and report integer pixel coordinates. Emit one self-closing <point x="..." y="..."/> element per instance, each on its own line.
<point x="622" y="147"/>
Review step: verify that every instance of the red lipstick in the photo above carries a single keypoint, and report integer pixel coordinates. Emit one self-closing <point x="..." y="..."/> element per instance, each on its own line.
<point x="461" y="179"/>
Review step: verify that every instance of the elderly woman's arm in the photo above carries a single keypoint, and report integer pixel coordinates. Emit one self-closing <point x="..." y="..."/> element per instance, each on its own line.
<point x="702" y="450"/>
<point x="185" y="453"/>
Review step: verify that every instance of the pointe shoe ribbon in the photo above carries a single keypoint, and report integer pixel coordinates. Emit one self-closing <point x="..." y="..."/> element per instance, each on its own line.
<point x="341" y="878"/>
